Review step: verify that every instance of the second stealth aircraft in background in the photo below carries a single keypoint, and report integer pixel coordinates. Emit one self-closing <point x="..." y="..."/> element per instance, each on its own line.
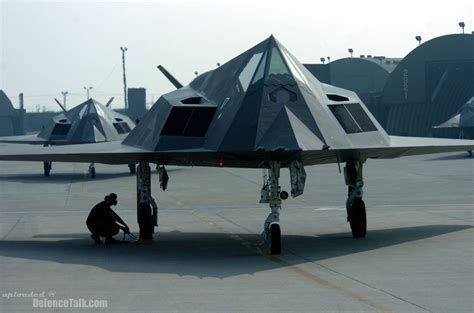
<point x="89" y="122"/>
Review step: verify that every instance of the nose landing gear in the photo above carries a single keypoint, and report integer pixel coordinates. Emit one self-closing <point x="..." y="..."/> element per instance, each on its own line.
<point x="272" y="194"/>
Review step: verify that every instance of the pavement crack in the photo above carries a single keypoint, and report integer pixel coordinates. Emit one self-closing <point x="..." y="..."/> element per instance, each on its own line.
<point x="11" y="230"/>
<point x="255" y="247"/>
<point x="242" y="177"/>
<point x="234" y="223"/>
<point x="357" y="281"/>
<point x="446" y="215"/>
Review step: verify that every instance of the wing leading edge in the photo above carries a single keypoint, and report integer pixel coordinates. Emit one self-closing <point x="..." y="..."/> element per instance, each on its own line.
<point x="118" y="153"/>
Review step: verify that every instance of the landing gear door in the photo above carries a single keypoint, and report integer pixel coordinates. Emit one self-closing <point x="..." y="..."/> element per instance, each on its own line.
<point x="163" y="177"/>
<point x="297" y="177"/>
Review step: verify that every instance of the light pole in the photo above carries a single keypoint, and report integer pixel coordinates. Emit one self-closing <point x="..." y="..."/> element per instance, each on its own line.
<point x="87" y="89"/>
<point x="350" y="51"/>
<point x="64" y="93"/>
<point x="462" y="25"/>
<point x="124" y="77"/>
<point x="418" y="38"/>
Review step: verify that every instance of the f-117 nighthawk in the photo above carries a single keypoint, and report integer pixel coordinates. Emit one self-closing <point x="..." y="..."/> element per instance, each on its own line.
<point x="89" y="122"/>
<point x="262" y="110"/>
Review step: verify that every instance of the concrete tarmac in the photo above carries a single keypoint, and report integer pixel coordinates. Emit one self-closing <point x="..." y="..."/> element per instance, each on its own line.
<point x="208" y="257"/>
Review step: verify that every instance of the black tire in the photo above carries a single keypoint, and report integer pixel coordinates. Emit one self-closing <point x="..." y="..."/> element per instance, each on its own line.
<point x="145" y="221"/>
<point x="358" y="219"/>
<point x="92" y="172"/>
<point x="275" y="239"/>
<point x="133" y="169"/>
<point x="47" y="168"/>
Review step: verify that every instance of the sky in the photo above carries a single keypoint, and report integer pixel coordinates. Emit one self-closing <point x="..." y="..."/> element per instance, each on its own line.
<point x="54" y="46"/>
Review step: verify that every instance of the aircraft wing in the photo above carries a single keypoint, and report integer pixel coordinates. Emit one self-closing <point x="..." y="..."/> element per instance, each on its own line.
<point x="29" y="139"/>
<point x="104" y="152"/>
<point x="35" y="140"/>
<point x="404" y="146"/>
<point x="398" y="147"/>
<point x="115" y="152"/>
<point x="118" y="153"/>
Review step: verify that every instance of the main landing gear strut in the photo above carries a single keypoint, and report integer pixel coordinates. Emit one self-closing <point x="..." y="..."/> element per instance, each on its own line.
<point x="355" y="206"/>
<point x="147" y="210"/>
<point x="272" y="194"/>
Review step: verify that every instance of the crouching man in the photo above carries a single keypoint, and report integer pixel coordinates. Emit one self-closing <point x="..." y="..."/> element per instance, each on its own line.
<point x="104" y="222"/>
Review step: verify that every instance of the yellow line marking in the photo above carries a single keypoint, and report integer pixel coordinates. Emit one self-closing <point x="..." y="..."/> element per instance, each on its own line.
<point x="298" y="270"/>
<point x="318" y="280"/>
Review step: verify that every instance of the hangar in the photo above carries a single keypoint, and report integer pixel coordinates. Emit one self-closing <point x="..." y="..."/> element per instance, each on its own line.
<point x="428" y="87"/>
<point x="10" y="120"/>
<point x="366" y="76"/>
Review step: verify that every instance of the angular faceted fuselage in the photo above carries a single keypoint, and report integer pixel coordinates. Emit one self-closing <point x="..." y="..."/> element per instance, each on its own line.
<point x="261" y="104"/>
<point x="88" y="122"/>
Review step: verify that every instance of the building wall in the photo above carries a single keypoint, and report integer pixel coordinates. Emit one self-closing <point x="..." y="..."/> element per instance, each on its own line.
<point x="34" y="122"/>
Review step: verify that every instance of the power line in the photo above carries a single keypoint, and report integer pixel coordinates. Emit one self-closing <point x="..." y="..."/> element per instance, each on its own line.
<point x="108" y="76"/>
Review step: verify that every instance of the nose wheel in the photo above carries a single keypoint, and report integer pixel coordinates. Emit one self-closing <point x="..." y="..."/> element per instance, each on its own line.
<point x="274" y="239"/>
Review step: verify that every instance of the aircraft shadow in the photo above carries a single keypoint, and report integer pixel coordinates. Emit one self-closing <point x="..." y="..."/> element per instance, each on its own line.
<point x="216" y="255"/>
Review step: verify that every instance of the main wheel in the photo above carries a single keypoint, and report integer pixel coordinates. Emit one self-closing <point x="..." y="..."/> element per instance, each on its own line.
<point x="358" y="218"/>
<point x="145" y="221"/>
<point x="92" y="172"/>
<point x="133" y="169"/>
<point x="47" y="168"/>
<point x="275" y="239"/>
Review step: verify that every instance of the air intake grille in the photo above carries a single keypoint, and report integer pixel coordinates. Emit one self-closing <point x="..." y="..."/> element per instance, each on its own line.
<point x="352" y="118"/>
<point x="61" y="129"/>
<point x="122" y="128"/>
<point x="188" y="121"/>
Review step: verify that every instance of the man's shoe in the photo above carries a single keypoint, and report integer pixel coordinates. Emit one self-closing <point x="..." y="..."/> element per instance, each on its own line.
<point x="111" y="241"/>
<point x="96" y="239"/>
